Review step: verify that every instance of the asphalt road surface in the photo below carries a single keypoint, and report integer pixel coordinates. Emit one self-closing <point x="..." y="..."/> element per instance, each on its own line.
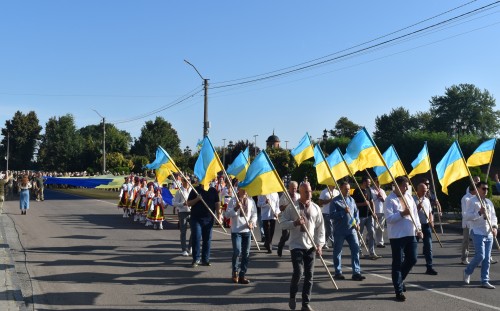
<point x="73" y="253"/>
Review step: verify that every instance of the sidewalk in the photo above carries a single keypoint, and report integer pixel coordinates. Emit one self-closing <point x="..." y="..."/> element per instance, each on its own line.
<point x="11" y="297"/>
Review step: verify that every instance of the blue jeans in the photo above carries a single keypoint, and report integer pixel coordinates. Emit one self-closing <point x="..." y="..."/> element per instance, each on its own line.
<point x="402" y="247"/>
<point x="201" y="229"/>
<point x="183" y="226"/>
<point x="241" y="245"/>
<point x="427" y="240"/>
<point x="352" y="240"/>
<point x="328" y="229"/>
<point x="482" y="254"/>
<point x="303" y="263"/>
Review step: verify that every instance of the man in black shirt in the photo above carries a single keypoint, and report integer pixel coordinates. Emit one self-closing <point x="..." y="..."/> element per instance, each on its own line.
<point x="364" y="201"/>
<point x="202" y="222"/>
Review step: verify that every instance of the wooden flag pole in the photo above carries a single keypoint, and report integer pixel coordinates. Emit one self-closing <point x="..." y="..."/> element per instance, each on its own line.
<point x="488" y="220"/>
<point x="298" y="216"/>
<point x="420" y="200"/>
<point x="203" y="201"/>
<point x="438" y="205"/>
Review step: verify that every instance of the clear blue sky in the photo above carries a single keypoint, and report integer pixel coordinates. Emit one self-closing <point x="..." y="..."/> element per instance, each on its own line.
<point x="125" y="59"/>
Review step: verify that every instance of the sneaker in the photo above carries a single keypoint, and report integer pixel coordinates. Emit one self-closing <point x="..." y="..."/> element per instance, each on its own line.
<point x="465" y="262"/>
<point x="185" y="254"/>
<point x="161" y="226"/>
<point x="466" y="278"/>
<point x="400" y="297"/>
<point x="493" y="261"/>
<point x="358" y="277"/>
<point x="487" y="285"/>
<point x="339" y="277"/>
<point x="206" y="263"/>
<point x="374" y="257"/>
<point x="306" y="307"/>
<point x="380" y="246"/>
<point x="292" y="304"/>
<point x="431" y="271"/>
<point x="195" y="264"/>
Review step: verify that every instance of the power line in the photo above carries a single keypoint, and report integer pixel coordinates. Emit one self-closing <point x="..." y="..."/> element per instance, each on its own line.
<point x="279" y="73"/>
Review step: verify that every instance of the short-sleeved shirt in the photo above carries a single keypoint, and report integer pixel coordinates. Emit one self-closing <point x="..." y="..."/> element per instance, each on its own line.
<point x="364" y="211"/>
<point x="210" y="196"/>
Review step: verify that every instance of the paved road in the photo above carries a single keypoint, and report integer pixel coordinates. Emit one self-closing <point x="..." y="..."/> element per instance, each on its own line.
<point x="73" y="253"/>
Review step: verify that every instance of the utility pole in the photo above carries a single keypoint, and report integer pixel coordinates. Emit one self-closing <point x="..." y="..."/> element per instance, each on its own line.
<point x="224" y="153"/>
<point x="255" y="145"/>
<point x="206" y="124"/>
<point x="103" y="142"/>
<point x="8" y="155"/>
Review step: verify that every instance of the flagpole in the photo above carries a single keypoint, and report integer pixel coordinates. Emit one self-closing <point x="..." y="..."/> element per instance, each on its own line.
<point x="343" y="198"/>
<point x="395" y="184"/>
<point x="477" y="195"/>
<point x="298" y="215"/>
<point x="374" y="216"/>
<point x="491" y="160"/>
<point x="438" y="205"/>
<point x="237" y="200"/>
<point x="203" y="201"/>
<point x="415" y="189"/>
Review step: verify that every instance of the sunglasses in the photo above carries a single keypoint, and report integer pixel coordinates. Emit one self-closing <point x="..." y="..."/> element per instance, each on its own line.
<point x="485" y="188"/>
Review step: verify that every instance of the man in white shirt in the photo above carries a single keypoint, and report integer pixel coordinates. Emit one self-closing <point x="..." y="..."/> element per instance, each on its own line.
<point x="180" y="203"/>
<point x="301" y="247"/>
<point x="379" y="196"/>
<point x="401" y="232"/>
<point x="465" y="225"/>
<point x="284" y="203"/>
<point x="427" y="222"/>
<point x="269" y="211"/>
<point x="324" y="200"/>
<point x="240" y="233"/>
<point x="482" y="234"/>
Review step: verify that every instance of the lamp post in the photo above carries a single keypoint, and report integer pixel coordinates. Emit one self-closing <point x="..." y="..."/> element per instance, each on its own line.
<point x="255" y="145"/>
<point x="8" y="155"/>
<point x="224" y="153"/>
<point x="458" y="125"/>
<point x="103" y="142"/>
<point x="230" y="146"/>
<point x="206" y="124"/>
<point x="325" y="137"/>
<point x="286" y="144"/>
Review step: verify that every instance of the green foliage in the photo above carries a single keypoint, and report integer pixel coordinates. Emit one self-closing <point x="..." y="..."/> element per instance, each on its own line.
<point x="116" y="162"/>
<point x="154" y="134"/>
<point x="138" y="163"/>
<point x="333" y="143"/>
<point x="282" y="160"/>
<point x="306" y="169"/>
<point x="315" y="196"/>
<point x="24" y="131"/>
<point x="61" y="145"/>
<point x="345" y="128"/>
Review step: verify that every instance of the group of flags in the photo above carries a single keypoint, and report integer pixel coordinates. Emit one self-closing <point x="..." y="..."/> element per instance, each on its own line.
<point x="260" y="177"/>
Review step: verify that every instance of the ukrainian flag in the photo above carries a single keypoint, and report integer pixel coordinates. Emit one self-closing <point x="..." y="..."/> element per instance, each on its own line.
<point x="323" y="173"/>
<point x="240" y="165"/>
<point x="207" y="165"/>
<point x="304" y="150"/>
<point x="337" y="164"/>
<point x="483" y="154"/>
<point x="261" y="178"/>
<point x="394" y="164"/>
<point x="422" y="163"/>
<point x="363" y="152"/>
<point x="163" y="164"/>
<point x="452" y="167"/>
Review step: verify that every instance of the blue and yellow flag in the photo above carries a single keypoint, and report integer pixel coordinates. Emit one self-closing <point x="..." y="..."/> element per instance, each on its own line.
<point x="483" y="154"/>
<point x="363" y="152"/>
<point x="240" y="165"/>
<point x="163" y="164"/>
<point x="261" y="178"/>
<point x="207" y="165"/>
<point x="337" y="164"/>
<point x="422" y="164"/>
<point x="394" y="164"/>
<point x="452" y="167"/>
<point x="323" y="172"/>
<point x="304" y="150"/>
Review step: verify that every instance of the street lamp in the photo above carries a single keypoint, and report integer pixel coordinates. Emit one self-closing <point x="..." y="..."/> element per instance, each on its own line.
<point x="103" y="142"/>
<point x="457" y="126"/>
<point x="231" y="146"/>
<point x="286" y="144"/>
<point x="224" y="153"/>
<point x="206" y="124"/>
<point x="325" y="137"/>
<point x="255" y="145"/>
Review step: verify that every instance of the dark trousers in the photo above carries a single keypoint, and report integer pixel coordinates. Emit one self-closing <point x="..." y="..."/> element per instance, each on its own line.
<point x="427" y="240"/>
<point x="201" y="231"/>
<point x="403" y="247"/>
<point x="285" y="235"/>
<point x="269" y="232"/>
<point x="303" y="263"/>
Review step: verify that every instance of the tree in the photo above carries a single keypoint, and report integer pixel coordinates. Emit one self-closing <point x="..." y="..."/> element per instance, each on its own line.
<point x="389" y="126"/>
<point x="154" y="134"/>
<point x="61" y="145"/>
<point x="282" y="160"/>
<point x="345" y="128"/>
<point x="467" y="103"/>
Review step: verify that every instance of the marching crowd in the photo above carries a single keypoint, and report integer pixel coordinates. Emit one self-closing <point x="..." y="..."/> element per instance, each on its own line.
<point x="342" y="215"/>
